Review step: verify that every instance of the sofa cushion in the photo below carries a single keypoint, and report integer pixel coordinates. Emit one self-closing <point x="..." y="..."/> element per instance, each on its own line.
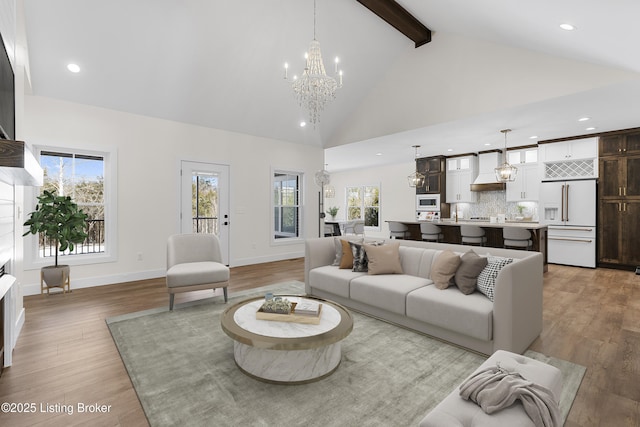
<point x="417" y="261"/>
<point x="386" y="291"/>
<point x="487" y="278"/>
<point x="449" y="308"/>
<point x="332" y="279"/>
<point x="384" y="259"/>
<point x="444" y="268"/>
<point x="471" y="266"/>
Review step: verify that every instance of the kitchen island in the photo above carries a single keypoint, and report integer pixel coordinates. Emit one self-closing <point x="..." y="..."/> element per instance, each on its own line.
<point x="451" y="232"/>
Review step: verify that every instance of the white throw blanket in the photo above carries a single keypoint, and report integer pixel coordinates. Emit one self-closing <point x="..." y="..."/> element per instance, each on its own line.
<point x="495" y="388"/>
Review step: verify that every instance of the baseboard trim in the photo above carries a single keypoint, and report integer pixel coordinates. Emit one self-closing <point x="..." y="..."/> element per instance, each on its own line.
<point x="267" y="258"/>
<point x="89" y="282"/>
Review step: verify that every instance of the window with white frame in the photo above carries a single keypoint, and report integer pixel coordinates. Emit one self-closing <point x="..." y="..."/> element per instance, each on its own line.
<point x="363" y="203"/>
<point x="287" y="205"/>
<point x="88" y="178"/>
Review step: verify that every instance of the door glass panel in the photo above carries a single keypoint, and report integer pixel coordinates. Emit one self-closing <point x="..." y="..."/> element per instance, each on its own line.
<point x="464" y="163"/>
<point x="204" y="205"/>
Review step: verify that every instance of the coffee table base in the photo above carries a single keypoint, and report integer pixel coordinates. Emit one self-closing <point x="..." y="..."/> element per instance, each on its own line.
<point x="287" y="366"/>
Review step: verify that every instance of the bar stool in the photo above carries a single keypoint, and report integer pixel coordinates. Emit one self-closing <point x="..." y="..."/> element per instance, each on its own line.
<point x="518" y="238"/>
<point x="430" y="232"/>
<point x="472" y="235"/>
<point x="398" y="230"/>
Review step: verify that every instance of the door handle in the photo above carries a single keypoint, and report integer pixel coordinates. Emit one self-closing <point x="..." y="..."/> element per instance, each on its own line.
<point x="562" y="204"/>
<point x="567" y="202"/>
<point x="571" y="240"/>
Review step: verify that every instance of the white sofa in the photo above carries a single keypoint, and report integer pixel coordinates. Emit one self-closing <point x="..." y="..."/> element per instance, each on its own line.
<point x="511" y="322"/>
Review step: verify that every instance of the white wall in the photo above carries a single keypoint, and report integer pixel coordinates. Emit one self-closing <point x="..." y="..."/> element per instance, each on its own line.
<point x="149" y="151"/>
<point x="430" y="85"/>
<point x="397" y="199"/>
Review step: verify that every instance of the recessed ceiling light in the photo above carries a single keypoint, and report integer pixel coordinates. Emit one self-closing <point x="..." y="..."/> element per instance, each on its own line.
<point x="590" y="128"/>
<point x="567" y="27"/>
<point x="378" y="154"/>
<point x="487" y="144"/>
<point x="583" y="119"/>
<point x="303" y="124"/>
<point x="533" y="137"/>
<point x="449" y="149"/>
<point x="74" y="68"/>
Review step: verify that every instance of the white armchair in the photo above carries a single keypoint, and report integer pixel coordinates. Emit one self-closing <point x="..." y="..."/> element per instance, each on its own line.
<point x="194" y="262"/>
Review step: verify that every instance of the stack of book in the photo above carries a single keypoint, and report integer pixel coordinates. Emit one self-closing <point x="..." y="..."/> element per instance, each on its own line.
<point x="307" y="308"/>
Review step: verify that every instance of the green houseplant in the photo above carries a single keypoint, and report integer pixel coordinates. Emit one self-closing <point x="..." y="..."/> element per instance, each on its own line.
<point x="333" y="211"/>
<point x="59" y="219"/>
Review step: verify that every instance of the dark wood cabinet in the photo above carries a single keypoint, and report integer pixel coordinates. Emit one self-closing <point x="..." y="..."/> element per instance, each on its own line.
<point x="614" y="145"/>
<point x="433" y="168"/>
<point x="619" y="232"/>
<point x="619" y="200"/>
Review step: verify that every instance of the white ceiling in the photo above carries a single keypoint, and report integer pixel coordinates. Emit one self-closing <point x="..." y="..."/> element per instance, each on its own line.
<point x="219" y="63"/>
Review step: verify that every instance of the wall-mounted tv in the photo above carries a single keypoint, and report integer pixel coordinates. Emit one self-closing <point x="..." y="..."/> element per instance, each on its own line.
<point x="7" y="96"/>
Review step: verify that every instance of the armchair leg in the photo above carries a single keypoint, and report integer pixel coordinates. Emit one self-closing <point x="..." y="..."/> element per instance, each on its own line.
<point x="171" y="301"/>
<point x="225" y="294"/>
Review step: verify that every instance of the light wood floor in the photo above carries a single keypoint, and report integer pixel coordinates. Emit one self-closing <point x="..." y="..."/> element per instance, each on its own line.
<point x="65" y="353"/>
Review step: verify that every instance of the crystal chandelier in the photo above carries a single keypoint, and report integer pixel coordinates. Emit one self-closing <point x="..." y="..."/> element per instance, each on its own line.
<point x="314" y="88"/>
<point x="506" y="172"/>
<point x="416" y="179"/>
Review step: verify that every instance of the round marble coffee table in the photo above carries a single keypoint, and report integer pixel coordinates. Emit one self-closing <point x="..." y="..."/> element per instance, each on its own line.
<point x="286" y="352"/>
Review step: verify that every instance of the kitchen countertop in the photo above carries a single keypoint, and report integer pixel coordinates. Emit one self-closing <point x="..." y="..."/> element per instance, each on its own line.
<point x="451" y="222"/>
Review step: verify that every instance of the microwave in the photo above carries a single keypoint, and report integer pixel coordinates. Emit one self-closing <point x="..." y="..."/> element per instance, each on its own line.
<point x="428" y="203"/>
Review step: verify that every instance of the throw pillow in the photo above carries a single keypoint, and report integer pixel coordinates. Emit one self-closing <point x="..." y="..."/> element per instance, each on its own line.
<point x="384" y="259"/>
<point x="466" y="276"/>
<point x="487" y="278"/>
<point x="338" y="244"/>
<point x="347" y="256"/>
<point x="444" y="268"/>
<point x="360" y="261"/>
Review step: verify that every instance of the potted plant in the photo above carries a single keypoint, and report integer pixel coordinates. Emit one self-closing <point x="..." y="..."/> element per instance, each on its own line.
<point x="59" y="219"/>
<point x="333" y="211"/>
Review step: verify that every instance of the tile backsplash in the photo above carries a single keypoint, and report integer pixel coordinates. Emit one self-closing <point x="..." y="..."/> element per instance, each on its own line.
<point x="492" y="203"/>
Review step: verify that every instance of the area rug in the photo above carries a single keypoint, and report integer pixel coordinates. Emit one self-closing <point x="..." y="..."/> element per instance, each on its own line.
<point x="182" y="368"/>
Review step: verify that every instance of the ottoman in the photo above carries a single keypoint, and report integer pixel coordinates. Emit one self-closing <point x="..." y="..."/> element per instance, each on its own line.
<point x="454" y="411"/>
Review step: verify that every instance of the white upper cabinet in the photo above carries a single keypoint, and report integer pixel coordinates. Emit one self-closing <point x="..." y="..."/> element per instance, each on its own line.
<point x="575" y="149"/>
<point x="574" y="159"/>
<point x="526" y="187"/>
<point x="461" y="172"/>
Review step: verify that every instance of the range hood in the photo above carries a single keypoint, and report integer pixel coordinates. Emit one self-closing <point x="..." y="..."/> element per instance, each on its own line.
<point x="486" y="180"/>
<point x="17" y="165"/>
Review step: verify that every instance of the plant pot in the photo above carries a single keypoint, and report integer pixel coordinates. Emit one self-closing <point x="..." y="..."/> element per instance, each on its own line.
<point x="55" y="276"/>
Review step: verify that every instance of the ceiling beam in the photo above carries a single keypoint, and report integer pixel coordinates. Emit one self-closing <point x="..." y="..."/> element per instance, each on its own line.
<point x="398" y="17"/>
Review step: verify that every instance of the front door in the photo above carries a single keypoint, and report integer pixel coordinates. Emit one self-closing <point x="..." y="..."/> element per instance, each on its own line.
<point x="205" y="201"/>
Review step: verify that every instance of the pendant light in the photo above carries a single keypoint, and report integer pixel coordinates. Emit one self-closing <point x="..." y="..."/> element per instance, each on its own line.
<point x="416" y="179"/>
<point x="506" y="172"/>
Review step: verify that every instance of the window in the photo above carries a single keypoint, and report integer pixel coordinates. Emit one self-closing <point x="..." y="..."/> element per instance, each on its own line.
<point x="85" y="177"/>
<point x="364" y="203"/>
<point x="204" y="202"/>
<point x="287" y="205"/>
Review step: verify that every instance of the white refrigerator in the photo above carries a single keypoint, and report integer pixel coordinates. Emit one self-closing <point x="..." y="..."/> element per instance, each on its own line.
<point x="568" y="208"/>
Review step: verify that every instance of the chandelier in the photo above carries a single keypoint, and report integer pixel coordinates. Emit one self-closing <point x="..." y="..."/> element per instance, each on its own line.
<point x="416" y="179"/>
<point x="506" y="172"/>
<point x="314" y="88"/>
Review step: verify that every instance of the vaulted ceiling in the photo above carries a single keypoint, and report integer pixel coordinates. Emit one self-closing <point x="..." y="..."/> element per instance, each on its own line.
<point x="219" y="64"/>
